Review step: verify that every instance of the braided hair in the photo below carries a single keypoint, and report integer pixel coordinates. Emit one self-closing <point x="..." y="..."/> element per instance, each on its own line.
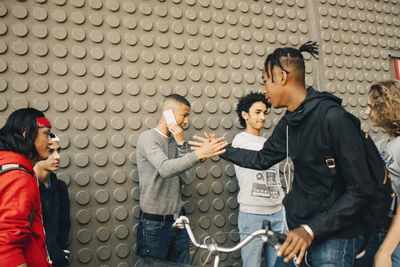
<point x="292" y="57"/>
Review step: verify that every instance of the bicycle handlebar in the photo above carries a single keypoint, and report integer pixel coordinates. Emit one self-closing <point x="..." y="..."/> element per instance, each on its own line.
<point x="272" y="238"/>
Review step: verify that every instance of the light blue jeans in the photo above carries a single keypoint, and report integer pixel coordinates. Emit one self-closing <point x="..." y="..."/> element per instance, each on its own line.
<point x="334" y="252"/>
<point x="251" y="253"/>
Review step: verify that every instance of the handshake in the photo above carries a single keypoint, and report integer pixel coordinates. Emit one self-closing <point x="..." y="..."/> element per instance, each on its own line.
<point x="208" y="146"/>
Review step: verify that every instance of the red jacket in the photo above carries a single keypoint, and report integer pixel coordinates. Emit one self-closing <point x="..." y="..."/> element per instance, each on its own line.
<point x="19" y="195"/>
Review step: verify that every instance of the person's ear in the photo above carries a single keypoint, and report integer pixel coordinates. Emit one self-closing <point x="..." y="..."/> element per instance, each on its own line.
<point x="24" y="133"/>
<point x="245" y="115"/>
<point x="283" y="77"/>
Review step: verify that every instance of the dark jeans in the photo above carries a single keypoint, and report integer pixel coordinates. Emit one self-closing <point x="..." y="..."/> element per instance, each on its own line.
<point x="157" y="239"/>
<point x="374" y="243"/>
<point x="334" y="252"/>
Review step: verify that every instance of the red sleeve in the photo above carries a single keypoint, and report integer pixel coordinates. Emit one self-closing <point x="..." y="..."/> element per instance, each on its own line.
<point x="17" y="200"/>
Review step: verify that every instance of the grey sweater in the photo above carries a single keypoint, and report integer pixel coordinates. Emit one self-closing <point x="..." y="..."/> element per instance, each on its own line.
<point x="162" y="168"/>
<point x="260" y="191"/>
<point x="390" y="152"/>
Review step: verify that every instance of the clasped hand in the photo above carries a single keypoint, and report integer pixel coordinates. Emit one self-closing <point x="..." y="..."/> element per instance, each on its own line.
<point x="208" y="146"/>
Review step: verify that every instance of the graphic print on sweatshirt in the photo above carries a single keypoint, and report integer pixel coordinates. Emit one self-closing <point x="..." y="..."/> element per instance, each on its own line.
<point x="266" y="184"/>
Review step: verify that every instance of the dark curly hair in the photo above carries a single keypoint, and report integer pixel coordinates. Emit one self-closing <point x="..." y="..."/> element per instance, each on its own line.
<point x="11" y="135"/>
<point x="285" y="57"/>
<point x="385" y="101"/>
<point x="246" y="102"/>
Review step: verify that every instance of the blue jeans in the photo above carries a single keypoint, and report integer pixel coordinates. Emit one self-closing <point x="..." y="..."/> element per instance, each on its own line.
<point x="374" y="243"/>
<point x="157" y="239"/>
<point x="251" y="253"/>
<point x="334" y="252"/>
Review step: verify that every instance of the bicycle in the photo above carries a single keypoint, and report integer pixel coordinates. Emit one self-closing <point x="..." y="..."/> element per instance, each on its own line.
<point x="272" y="238"/>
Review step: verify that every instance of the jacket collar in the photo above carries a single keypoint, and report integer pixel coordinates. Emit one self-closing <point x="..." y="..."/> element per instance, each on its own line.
<point x="313" y="98"/>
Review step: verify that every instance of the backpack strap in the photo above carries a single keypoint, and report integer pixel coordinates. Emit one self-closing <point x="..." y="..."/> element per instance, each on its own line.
<point x="322" y="141"/>
<point x="11" y="167"/>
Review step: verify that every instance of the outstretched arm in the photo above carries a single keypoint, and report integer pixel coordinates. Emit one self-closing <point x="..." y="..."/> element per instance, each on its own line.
<point x="273" y="151"/>
<point x="207" y="147"/>
<point x="152" y="150"/>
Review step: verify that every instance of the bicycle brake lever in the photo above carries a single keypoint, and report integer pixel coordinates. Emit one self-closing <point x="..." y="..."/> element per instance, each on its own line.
<point x="276" y="239"/>
<point x="266" y="225"/>
<point x="281" y="238"/>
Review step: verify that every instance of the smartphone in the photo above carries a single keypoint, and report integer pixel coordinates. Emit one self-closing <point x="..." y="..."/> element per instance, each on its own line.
<point x="169" y="116"/>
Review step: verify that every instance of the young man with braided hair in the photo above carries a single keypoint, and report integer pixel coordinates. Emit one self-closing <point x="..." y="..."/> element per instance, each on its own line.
<point x="322" y="209"/>
<point x="260" y="195"/>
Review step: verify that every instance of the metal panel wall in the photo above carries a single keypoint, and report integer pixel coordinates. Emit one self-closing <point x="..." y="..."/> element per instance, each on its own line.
<point x="99" y="69"/>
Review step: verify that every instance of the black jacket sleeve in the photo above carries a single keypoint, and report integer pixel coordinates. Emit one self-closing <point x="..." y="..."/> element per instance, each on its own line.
<point x="350" y="159"/>
<point x="273" y="151"/>
<point x="64" y="222"/>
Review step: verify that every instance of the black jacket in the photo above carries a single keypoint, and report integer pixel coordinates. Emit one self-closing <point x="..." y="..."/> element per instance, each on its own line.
<point x="329" y="204"/>
<point x="56" y="218"/>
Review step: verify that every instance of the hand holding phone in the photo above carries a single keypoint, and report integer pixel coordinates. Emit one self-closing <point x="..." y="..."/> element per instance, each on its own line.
<point x="169" y="116"/>
<point x="175" y="129"/>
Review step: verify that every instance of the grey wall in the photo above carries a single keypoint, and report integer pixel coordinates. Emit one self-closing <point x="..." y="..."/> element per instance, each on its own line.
<point x="99" y="69"/>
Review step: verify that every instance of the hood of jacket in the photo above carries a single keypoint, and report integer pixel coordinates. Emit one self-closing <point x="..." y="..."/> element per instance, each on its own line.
<point x="313" y="97"/>
<point x="9" y="157"/>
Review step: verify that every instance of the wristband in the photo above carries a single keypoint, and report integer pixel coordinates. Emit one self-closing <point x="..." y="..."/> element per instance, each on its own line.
<point x="308" y="230"/>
